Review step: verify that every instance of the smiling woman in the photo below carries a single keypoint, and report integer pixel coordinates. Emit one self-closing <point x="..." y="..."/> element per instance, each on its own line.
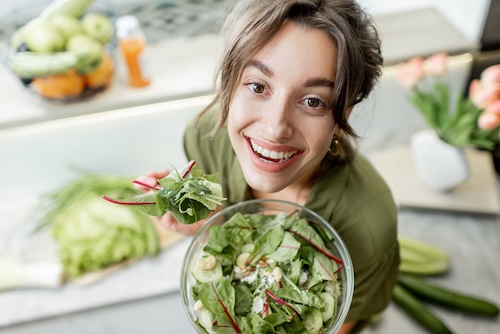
<point x="278" y="128"/>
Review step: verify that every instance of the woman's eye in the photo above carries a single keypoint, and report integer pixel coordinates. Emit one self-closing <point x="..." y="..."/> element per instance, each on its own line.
<point x="313" y="102"/>
<point x="256" y="87"/>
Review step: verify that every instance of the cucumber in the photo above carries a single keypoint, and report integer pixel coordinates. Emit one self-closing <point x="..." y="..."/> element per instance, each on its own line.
<point x="417" y="310"/>
<point x="206" y="318"/>
<point x="313" y="322"/>
<point x="74" y="8"/>
<point x="32" y="64"/>
<point x="330" y="305"/>
<point x="447" y="297"/>
<point x="205" y="276"/>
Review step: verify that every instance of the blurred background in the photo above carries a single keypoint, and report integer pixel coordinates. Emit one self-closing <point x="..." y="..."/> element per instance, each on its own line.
<point x="125" y="130"/>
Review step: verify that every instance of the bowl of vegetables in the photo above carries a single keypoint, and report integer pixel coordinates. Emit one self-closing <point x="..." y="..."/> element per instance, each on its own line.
<point x="63" y="51"/>
<point x="267" y="264"/>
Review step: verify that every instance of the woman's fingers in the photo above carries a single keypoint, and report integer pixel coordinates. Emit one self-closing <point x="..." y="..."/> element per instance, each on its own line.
<point x="158" y="175"/>
<point x="145" y="183"/>
<point x="168" y="222"/>
<point x="149" y="181"/>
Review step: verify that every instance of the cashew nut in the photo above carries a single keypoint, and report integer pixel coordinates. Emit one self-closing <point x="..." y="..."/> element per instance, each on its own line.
<point x="241" y="261"/>
<point x="207" y="262"/>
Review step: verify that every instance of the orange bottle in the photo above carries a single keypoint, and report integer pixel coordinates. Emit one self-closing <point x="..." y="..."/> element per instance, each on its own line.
<point x="132" y="45"/>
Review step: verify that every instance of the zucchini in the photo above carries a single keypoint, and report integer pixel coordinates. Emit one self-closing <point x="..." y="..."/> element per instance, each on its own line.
<point x="32" y="64"/>
<point x="417" y="310"/>
<point x="447" y="297"/>
<point x="74" y="8"/>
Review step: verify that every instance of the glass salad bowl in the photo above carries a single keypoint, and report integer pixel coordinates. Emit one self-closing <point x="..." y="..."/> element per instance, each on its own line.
<point x="267" y="264"/>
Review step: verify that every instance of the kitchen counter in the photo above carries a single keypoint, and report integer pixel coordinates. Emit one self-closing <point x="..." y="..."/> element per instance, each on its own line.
<point x="181" y="67"/>
<point x="184" y="48"/>
<point x="38" y="141"/>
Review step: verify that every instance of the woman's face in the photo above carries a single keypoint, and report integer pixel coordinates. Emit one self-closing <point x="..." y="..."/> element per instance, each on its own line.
<point x="280" y="120"/>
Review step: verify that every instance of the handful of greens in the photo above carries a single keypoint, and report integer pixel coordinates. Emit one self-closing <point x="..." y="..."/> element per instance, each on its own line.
<point x="92" y="234"/>
<point x="267" y="274"/>
<point x="188" y="194"/>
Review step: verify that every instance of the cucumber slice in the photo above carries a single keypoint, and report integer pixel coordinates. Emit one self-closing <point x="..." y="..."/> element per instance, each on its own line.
<point x="206" y="318"/>
<point x="314" y="322"/>
<point x="329" y="301"/>
<point x="205" y="276"/>
<point x="247" y="248"/>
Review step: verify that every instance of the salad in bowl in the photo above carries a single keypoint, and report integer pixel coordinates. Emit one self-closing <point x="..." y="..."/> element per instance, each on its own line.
<point x="267" y="266"/>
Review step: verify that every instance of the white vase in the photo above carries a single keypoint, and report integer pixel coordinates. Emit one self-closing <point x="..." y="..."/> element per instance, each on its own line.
<point x="439" y="165"/>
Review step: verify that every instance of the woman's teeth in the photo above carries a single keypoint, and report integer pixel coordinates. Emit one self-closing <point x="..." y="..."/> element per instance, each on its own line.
<point x="271" y="156"/>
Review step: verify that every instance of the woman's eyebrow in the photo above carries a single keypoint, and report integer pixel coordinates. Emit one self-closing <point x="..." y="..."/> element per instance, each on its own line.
<point x="315" y="82"/>
<point x="260" y="66"/>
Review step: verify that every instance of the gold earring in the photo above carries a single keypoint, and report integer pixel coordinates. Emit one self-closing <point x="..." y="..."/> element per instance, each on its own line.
<point x="337" y="148"/>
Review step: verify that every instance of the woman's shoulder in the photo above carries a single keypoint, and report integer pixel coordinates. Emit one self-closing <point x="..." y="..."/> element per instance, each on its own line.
<point x="200" y="145"/>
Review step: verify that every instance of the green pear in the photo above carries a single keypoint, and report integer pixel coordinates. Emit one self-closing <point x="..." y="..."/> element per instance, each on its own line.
<point x="40" y="36"/>
<point x="89" y="51"/>
<point x="98" y="26"/>
<point x="66" y="24"/>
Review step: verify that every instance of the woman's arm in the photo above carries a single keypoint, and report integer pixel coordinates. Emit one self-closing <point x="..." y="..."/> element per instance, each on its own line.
<point x="346" y="328"/>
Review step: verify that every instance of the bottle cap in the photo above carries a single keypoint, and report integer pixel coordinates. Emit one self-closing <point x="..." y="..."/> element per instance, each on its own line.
<point x="126" y="24"/>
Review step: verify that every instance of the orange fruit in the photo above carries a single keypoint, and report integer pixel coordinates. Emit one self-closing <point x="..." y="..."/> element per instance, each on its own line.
<point x="60" y="86"/>
<point x="102" y="75"/>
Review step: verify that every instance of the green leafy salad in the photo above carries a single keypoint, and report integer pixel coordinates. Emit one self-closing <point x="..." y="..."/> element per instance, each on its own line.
<point x="264" y="273"/>
<point x="188" y="193"/>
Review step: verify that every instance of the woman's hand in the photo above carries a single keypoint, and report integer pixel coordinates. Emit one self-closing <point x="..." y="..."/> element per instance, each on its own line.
<point x="168" y="221"/>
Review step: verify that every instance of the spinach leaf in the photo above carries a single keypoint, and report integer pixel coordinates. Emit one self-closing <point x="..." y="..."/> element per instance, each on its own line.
<point x="287" y="250"/>
<point x="244" y="299"/>
<point x="189" y="194"/>
<point x="219" y="298"/>
<point x="266" y="244"/>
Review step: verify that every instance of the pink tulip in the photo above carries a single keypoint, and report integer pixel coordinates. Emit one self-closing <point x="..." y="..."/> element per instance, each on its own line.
<point x="493" y="108"/>
<point x="491" y="76"/>
<point x="410" y="73"/>
<point x="489" y="121"/>
<point x="483" y="95"/>
<point x="436" y="64"/>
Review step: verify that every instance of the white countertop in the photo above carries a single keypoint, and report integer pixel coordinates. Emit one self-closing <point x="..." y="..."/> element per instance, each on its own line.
<point x="181" y="67"/>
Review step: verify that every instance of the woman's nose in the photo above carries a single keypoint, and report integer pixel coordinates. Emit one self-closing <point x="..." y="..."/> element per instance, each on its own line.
<point x="278" y="119"/>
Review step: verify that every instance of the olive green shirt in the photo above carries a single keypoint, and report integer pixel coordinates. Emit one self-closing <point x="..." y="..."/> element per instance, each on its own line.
<point x="351" y="196"/>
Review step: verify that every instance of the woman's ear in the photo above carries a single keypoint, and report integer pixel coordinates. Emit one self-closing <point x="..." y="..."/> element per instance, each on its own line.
<point x="337" y="133"/>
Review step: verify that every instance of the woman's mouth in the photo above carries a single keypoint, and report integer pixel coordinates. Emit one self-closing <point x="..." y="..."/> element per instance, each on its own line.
<point x="271" y="156"/>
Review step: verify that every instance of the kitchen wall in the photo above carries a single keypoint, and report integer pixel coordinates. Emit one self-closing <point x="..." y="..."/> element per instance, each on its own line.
<point x="467" y="16"/>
